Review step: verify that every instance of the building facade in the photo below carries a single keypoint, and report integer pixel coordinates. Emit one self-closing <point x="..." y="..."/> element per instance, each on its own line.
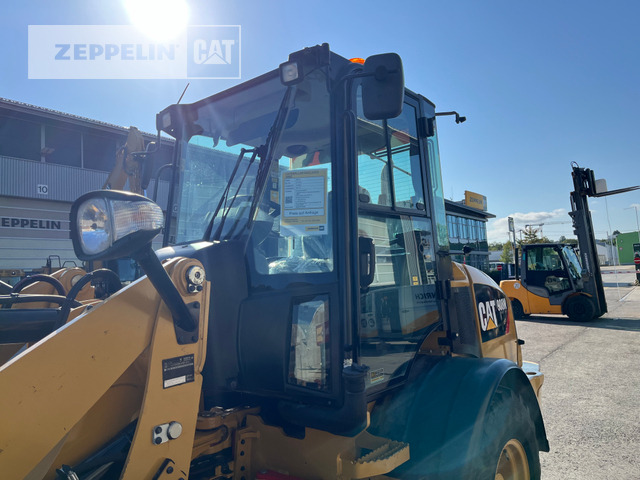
<point x="467" y="227"/>
<point x="47" y="160"/>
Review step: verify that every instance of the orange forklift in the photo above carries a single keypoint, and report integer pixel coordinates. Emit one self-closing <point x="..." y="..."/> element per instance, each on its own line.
<point x="557" y="278"/>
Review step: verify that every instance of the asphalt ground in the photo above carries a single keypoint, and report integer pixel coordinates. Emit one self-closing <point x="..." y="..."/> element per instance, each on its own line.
<point x="591" y="392"/>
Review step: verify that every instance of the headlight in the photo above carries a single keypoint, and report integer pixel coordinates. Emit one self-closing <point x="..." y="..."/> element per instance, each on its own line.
<point x="110" y="224"/>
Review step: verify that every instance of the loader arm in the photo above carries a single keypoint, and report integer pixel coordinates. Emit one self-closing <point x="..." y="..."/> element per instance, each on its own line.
<point x="98" y="373"/>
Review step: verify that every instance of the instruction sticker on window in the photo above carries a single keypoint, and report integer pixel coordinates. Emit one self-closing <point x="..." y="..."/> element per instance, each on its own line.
<point x="304" y="201"/>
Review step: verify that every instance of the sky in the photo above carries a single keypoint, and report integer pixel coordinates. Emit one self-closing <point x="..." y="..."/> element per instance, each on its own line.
<point x="542" y="84"/>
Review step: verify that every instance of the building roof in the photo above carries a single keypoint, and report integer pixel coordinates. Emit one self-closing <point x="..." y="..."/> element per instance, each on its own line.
<point x="26" y="108"/>
<point x="459" y="207"/>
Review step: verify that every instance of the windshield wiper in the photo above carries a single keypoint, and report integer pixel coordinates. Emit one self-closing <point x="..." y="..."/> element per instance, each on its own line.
<point x="266" y="153"/>
<point x="223" y="198"/>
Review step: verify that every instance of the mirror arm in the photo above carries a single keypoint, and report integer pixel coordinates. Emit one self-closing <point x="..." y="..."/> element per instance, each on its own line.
<point x="183" y="318"/>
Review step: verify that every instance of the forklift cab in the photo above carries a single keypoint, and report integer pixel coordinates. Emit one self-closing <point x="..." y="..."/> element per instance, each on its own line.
<point x="551" y="271"/>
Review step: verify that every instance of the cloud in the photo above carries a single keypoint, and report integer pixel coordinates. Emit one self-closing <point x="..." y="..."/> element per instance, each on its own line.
<point x="498" y="228"/>
<point x="635" y="205"/>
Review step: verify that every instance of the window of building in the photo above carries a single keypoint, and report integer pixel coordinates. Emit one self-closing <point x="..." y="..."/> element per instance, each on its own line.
<point x="62" y="146"/>
<point x="20" y="139"/>
<point x="99" y="152"/>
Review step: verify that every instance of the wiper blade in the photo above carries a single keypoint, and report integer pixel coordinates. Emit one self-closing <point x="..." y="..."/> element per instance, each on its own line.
<point x="225" y="214"/>
<point x="266" y="152"/>
<point x="225" y="193"/>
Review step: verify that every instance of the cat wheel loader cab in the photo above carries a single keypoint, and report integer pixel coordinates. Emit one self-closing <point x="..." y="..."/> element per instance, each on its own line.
<point x="304" y="319"/>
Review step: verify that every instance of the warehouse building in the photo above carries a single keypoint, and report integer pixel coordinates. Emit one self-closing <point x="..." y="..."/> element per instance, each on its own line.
<point x="47" y="160"/>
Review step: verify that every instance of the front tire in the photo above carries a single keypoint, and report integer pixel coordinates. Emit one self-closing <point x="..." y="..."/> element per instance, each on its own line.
<point x="509" y="448"/>
<point x="580" y="308"/>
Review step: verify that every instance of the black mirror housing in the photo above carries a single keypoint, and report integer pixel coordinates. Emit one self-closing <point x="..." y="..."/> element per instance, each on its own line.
<point x="383" y="86"/>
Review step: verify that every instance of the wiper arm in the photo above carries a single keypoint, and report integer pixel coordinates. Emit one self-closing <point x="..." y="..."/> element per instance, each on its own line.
<point x="225" y="214"/>
<point x="266" y="152"/>
<point x="225" y="193"/>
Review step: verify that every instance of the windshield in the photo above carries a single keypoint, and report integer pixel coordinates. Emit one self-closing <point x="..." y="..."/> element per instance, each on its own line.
<point x="261" y="154"/>
<point x="573" y="263"/>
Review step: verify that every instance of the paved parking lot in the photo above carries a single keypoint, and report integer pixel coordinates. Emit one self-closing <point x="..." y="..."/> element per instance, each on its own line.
<point x="591" y="393"/>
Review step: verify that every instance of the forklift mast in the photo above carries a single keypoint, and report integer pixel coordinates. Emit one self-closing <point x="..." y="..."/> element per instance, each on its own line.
<point x="585" y="185"/>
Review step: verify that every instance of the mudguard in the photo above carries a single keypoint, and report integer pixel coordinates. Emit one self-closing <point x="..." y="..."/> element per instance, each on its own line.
<point x="440" y="412"/>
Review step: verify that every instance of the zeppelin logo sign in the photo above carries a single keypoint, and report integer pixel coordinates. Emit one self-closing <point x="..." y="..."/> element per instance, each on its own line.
<point x="13" y="222"/>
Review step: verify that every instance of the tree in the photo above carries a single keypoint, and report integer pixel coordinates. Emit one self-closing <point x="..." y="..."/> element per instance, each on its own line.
<point x="496" y="246"/>
<point x="507" y="253"/>
<point x="531" y="236"/>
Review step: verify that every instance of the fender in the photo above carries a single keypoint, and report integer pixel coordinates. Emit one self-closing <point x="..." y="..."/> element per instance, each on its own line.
<point x="440" y="412"/>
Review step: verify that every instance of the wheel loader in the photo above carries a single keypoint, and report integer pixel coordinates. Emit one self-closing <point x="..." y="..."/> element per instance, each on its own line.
<point x="304" y="319"/>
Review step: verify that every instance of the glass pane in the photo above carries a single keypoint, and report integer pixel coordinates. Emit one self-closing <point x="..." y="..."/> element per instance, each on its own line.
<point x="400" y="306"/>
<point x="204" y="178"/>
<point x="435" y="175"/>
<point x="266" y="140"/>
<point x="62" y="146"/>
<point x="19" y="139"/>
<point x="373" y="166"/>
<point x="309" y="359"/>
<point x="405" y="154"/>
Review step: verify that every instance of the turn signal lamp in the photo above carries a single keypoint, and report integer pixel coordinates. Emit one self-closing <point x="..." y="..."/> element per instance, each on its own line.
<point x="357" y="60"/>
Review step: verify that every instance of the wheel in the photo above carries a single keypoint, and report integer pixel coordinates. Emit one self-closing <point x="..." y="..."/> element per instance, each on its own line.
<point x="509" y="448"/>
<point x="580" y="308"/>
<point x="518" y="310"/>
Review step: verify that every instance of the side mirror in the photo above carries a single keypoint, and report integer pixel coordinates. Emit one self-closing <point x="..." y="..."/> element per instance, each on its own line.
<point x="383" y="86"/>
<point x="108" y="224"/>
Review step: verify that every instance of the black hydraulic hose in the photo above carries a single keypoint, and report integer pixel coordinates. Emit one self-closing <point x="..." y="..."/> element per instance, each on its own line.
<point x="29" y="298"/>
<point x="71" y="297"/>
<point x="40" y="277"/>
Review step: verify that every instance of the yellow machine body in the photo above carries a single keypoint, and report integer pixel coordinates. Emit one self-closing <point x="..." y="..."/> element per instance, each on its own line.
<point x="531" y="303"/>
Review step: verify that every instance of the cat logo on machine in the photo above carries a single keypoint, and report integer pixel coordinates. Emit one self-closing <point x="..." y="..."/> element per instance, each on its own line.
<point x="493" y="311"/>
<point x="488" y="315"/>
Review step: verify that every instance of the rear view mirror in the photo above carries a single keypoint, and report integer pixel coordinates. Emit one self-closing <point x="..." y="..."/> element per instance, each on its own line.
<point x="383" y="86"/>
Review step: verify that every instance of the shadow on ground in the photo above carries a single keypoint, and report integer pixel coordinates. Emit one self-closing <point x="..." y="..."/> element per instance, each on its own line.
<point x="628" y="324"/>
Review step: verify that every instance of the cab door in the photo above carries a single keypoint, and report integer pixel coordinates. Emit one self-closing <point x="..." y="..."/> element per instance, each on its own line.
<point x="400" y="306"/>
<point x="546" y="275"/>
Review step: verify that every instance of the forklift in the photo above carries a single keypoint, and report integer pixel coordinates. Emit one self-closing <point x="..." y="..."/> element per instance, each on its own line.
<point x="555" y="278"/>
<point x="304" y="319"/>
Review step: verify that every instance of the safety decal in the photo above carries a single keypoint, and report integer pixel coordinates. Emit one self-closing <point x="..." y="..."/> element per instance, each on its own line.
<point x="376" y="376"/>
<point x="492" y="310"/>
<point x="177" y="370"/>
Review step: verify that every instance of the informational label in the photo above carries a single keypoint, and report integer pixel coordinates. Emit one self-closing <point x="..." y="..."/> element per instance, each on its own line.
<point x="376" y="376"/>
<point x="304" y="201"/>
<point x="178" y="370"/>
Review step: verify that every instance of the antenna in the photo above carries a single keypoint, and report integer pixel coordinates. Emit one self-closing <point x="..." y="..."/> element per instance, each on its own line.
<point x="184" y="91"/>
